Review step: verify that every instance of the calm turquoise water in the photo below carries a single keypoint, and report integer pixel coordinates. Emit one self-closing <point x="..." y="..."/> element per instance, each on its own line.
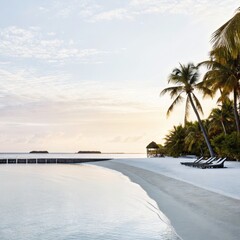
<point x="76" y="202"/>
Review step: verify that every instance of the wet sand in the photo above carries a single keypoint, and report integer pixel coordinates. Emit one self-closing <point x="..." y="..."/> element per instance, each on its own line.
<point x="195" y="213"/>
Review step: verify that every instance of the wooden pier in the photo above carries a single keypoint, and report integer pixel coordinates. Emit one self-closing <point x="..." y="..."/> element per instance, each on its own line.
<point x="50" y="160"/>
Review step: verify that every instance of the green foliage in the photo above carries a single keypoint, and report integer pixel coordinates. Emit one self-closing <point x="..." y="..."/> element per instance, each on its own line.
<point x="162" y="149"/>
<point x="224" y="63"/>
<point x="194" y="140"/>
<point x="227" y="145"/>
<point x="223" y="76"/>
<point x="184" y="140"/>
<point x="221" y="119"/>
<point x="189" y="139"/>
<point x="185" y="80"/>
<point x="227" y="37"/>
<point x="174" y="141"/>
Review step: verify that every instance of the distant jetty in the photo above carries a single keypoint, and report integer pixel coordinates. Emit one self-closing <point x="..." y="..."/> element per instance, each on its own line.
<point x="89" y="152"/>
<point x="39" y="152"/>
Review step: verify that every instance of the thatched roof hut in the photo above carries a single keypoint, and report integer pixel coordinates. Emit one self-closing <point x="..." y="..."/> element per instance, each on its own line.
<point x="153" y="150"/>
<point x="152" y="145"/>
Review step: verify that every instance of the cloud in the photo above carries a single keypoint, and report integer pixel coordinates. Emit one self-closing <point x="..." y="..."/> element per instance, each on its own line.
<point x="4" y="63"/>
<point x="189" y="7"/>
<point x="118" y="14"/>
<point x="43" y="9"/>
<point x="67" y="9"/>
<point x="92" y="10"/>
<point x="31" y="43"/>
<point x="95" y="11"/>
<point x="26" y="89"/>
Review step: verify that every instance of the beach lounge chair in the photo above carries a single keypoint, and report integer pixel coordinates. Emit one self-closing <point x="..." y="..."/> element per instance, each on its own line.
<point x="190" y="163"/>
<point x="219" y="164"/>
<point x="209" y="160"/>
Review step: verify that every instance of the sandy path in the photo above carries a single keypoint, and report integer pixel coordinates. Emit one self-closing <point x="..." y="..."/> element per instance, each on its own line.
<point x="195" y="213"/>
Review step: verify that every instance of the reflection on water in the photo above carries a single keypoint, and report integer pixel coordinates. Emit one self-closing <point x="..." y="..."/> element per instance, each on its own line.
<point x="71" y="155"/>
<point x="76" y="202"/>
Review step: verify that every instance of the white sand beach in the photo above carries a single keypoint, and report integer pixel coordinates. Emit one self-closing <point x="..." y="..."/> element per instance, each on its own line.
<point x="200" y="203"/>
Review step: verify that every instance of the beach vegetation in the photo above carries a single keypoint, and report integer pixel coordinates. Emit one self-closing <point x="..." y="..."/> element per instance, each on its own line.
<point x="220" y="132"/>
<point x="221" y="119"/>
<point x="220" y="126"/>
<point x="227" y="145"/>
<point x="174" y="141"/>
<point x="227" y="37"/>
<point x="223" y="76"/>
<point x="188" y="140"/>
<point x="161" y="150"/>
<point x="225" y="62"/>
<point x="194" y="140"/>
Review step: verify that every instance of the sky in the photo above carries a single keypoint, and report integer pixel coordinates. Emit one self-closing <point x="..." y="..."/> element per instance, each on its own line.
<point x="87" y="74"/>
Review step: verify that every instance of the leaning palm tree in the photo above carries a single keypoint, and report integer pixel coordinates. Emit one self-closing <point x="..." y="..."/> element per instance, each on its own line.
<point x="227" y="37"/>
<point x="186" y="80"/>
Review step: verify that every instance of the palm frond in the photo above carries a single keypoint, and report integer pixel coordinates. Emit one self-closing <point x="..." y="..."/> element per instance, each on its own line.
<point x="175" y="78"/>
<point x="178" y="99"/>
<point x="198" y="105"/>
<point x="220" y="54"/>
<point x="231" y="83"/>
<point x="204" y="89"/>
<point x="173" y="91"/>
<point x="228" y="36"/>
<point x="184" y="75"/>
<point x="216" y="80"/>
<point x="210" y="64"/>
<point x="194" y="77"/>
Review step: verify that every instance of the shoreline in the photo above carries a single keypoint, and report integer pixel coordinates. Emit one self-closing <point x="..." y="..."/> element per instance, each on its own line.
<point x="194" y="213"/>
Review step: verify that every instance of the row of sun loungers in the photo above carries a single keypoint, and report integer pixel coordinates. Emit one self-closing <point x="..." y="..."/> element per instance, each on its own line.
<point x="211" y="162"/>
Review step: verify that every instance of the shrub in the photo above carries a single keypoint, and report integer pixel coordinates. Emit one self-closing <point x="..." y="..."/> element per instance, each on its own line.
<point x="227" y="145"/>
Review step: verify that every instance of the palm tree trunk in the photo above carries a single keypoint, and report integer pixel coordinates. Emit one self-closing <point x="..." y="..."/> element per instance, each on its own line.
<point x="235" y="109"/>
<point x="202" y="127"/>
<point x="224" y="128"/>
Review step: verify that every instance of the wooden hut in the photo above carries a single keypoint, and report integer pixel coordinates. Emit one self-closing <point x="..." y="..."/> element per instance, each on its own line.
<point x="153" y="150"/>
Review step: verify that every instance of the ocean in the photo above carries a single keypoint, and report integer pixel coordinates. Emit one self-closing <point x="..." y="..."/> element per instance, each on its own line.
<point x="76" y="202"/>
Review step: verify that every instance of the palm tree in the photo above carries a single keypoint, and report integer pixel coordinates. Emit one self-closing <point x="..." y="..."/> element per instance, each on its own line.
<point x="227" y="37"/>
<point x="186" y="78"/>
<point x="174" y="141"/>
<point x="221" y="118"/>
<point x="224" y="74"/>
<point x="226" y="52"/>
<point x="216" y="120"/>
<point x="194" y="138"/>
